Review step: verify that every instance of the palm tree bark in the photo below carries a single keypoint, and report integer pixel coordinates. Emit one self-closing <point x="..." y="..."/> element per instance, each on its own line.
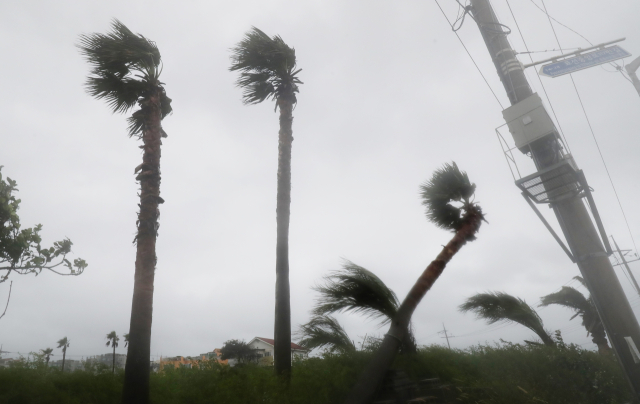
<point x="136" y="380"/>
<point x="282" y="324"/>
<point x="113" y="368"/>
<point x="365" y="390"/>
<point x="64" y="355"/>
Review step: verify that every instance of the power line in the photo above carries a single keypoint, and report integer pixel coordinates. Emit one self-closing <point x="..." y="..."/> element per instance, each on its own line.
<point x="593" y="133"/>
<point x="474" y="62"/>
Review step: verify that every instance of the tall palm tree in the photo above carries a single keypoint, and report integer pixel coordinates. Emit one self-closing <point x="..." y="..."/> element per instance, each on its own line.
<point x="448" y="197"/>
<point x="125" y="72"/>
<point x="583" y="307"/>
<point x="64" y="344"/>
<point x="500" y="306"/>
<point x="112" y="338"/>
<point x="358" y="290"/>
<point x="325" y="331"/>
<point x="47" y="353"/>
<point x="267" y="69"/>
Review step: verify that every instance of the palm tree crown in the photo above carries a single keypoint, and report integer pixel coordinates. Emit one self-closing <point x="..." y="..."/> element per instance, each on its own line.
<point x="358" y="290"/>
<point x="63" y="343"/>
<point x="126" y="68"/>
<point x="448" y="185"/>
<point x="113" y="339"/>
<point x="325" y="331"/>
<point x="267" y="68"/>
<point x="500" y="306"/>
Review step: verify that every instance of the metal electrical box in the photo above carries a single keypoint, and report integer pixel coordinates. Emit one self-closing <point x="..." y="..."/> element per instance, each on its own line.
<point x="528" y="121"/>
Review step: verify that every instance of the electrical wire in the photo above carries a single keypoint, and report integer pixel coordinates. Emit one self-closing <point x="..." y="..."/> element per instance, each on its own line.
<point x="593" y="134"/>
<point x="474" y="62"/>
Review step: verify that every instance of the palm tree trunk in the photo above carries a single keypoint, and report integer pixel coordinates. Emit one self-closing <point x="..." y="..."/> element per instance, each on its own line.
<point x="64" y="355"/>
<point x="282" y="325"/>
<point x="136" y="380"/>
<point x="372" y="377"/>
<point x="113" y="370"/>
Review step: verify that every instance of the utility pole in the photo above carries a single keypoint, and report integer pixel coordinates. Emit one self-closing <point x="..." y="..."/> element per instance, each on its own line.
<point x="631" y="70"/>
<point x="562" y="185"/>
<point x="624" y="262"/>
<point x="444" y="330"/>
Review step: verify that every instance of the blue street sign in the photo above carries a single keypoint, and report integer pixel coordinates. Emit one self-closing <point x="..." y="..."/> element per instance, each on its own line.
<point x="583" y="61"/>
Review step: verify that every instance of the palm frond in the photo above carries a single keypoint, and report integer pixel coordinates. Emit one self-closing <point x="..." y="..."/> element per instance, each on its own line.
<point x="126" y="68"/>
<point x="568" y="297"/>
<point x="581" y="280"/>
<point x="325" y="331"/>
<point x="500" y="306"/>
<point x="353" y="288"/>
<point x="267" y="67"/>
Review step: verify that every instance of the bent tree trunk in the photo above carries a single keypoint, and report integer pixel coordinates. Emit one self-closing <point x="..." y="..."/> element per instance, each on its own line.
<point x="282" y="324"/>
<point x="372" y="377"/>
<point x="64" y="356"/>
<point x="136" y="375"/>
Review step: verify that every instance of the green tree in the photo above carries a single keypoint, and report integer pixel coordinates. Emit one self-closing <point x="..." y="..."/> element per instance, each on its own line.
<point x="125" y="72"/>
<point x="20" y="249"/>
<point x="47" y="353"/>
<point x="500" y="306"/>
<point x="112" y="338"/>
<point x="267" y="69"/>
<point x="325" y="331"/>
<point x="355" y="289"/>
<point x="236" y="349"/>
<point x="126" y="339"/>
<point x="448" y="198"/>
<point x="583" y="307"/>
<point x="64" y="344"/>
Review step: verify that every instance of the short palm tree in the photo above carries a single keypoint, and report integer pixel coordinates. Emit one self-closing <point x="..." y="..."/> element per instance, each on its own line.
<point x="47" y="353"/>
<point x="267" y="69"/>
<point x="126" y="72"/>
<point x="500" y="306"/>
<point x="64" y="344"/>
<point x="112" y="338"/>
<point x="354" y="288"/>
<point x="448" y="197"/>
<point x="583" y="307"/>
<point x="325" y="331"/>
<point x="126" y="339"/>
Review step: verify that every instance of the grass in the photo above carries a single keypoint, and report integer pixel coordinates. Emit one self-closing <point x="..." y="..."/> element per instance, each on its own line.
<point x="500" y="374"/>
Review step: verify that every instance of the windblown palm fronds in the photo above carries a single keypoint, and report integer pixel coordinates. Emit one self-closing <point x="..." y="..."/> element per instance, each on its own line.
<point x="325" y="331"/>
<point x="500" y="306"/>
<point x="357" y="290"/>
<point x="267" y="68"/>
<point x="583" y="307"/>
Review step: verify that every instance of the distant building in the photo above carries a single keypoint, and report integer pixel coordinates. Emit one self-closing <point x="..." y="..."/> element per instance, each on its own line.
<point x="70" y="365"/>
<point x="6" y="362"/>
<point x="107" y="359"/>
<point x="263" y="348"/>
<point x="191" y="361"/>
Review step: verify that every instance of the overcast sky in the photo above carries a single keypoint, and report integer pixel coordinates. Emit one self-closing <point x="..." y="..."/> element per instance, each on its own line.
<point x="389" y="95"/>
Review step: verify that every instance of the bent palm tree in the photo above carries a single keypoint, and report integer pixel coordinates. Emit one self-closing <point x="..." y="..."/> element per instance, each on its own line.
<point x="64" y="344"/>
<point x="47" y="353"/>
<point x="500" y="306"/>
<point x="267" y="69"/>
<point x="126" y="72"/>
<point x="113" y="339"/>
<point x="325" y="331"/>
<point x="358" y="290"/>
<point x="126" y="339"/>
<point x="447" y="186"/>
<point x="583" y="307"/>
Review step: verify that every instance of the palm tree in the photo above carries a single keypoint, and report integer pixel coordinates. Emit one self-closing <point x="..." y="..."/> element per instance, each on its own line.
<point x="500" y="306"/>
<point x="47" y="353"/>
<point x="358" y="290"/>
<point x="448" y="199"/>
<point x="126" y="339"/>
<point x="113" y="339"/>
<point x="325" y="331"/>
<point x="126" y="72"/>
<point x="583" y="307"/>
<point x="267" y="69"/>
<point x="64" y="344"/>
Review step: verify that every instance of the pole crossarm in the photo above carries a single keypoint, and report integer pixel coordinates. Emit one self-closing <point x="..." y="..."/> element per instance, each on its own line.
<point x="579" y="51"/>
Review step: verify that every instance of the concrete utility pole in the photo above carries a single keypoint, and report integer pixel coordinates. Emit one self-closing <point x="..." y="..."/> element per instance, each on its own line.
<point x="446" y="335"/>
<point x="631" y="70"/>
<point x="546" y="150"/>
